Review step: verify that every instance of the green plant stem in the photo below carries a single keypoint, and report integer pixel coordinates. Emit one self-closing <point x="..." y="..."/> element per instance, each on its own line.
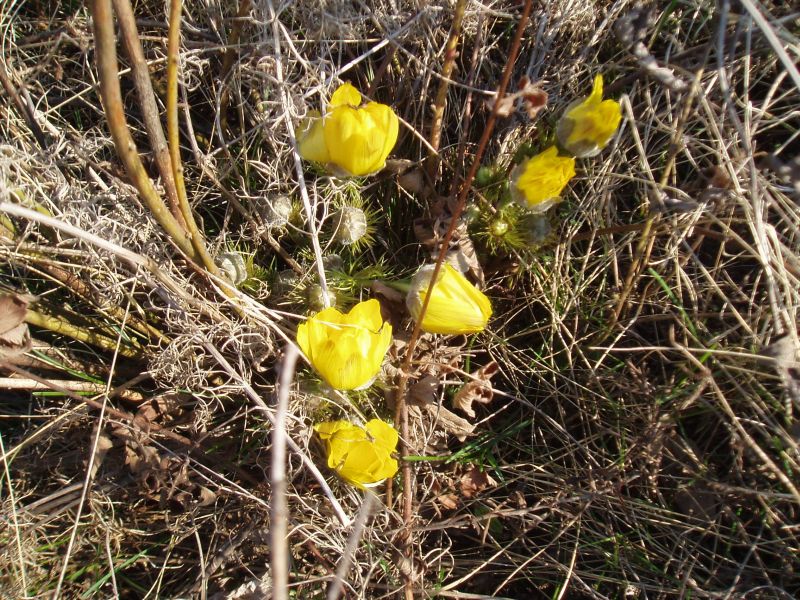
<point x="173" y="131"/>
<point x="106" y="56"/>
<point x="64" y="327"/>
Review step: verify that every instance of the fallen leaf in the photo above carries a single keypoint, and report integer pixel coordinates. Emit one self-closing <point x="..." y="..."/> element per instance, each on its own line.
<point x="533" y="97"/>
<point x="448" y="501"/>
<point x="14" y="336"/>
<point x="478" y="390"/>
<point x="423" y="392"/>
<point x="475" y="481"/>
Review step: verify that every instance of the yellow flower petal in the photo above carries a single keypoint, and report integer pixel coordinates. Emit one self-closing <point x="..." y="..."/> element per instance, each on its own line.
<point x="589" y="124"/>
<point x="361" y="457"/>
<point x="383" y="434"/>
<point x="538" y="182"/>
<point x="311" y="139"/>
<point x="456" y="305"/>
<point x="347" y="350"/>
<point x="345" y="95"/>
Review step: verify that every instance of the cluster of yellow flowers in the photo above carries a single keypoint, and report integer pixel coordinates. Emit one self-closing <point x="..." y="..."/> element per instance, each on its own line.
<point x="584" y="130"/>
<point x="348" y="349"/>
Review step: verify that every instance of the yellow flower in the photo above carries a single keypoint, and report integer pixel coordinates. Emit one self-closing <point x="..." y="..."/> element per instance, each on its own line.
<point x="360" y="456"/>
<point x="587" y="125"/>
<point x="456" y="305"/>
<point x="352" y="138"/>
<point x="538" y="182"/>
<point x="346" y="349"/>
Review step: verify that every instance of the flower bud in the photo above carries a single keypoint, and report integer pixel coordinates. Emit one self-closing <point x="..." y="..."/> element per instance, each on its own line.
<point x="456" y="306"/>
<point x="233" y="266"/>
<point x="277" y="212"/>
<point x="316" y="297"/>
<point x="351" y="225"/>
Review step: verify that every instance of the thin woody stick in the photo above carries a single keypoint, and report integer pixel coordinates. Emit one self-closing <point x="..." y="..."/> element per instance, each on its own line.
<point x="401" y="408"/>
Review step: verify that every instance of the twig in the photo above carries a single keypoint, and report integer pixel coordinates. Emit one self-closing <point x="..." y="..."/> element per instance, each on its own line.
<point x="364" y="513"/>
<point x="173" y="56"/>
<point x="450" y="53"/>
<point x="106" y="55"/>
<point x="14" y="383"/>
<point x="280" y="510"/>
<point x="401" y="408"/>
<point x="147" y="99"/>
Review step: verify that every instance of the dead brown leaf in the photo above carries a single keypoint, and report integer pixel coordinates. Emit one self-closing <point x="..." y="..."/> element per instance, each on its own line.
<point x="477" y="390"/>
<point x="14" y="336"/>
<point x="475" y="481"/>
<point x="448" y="501"/>
<point x="451" y="422"/>
<point x="422" y="394"/>
<point x="533" y="97"/>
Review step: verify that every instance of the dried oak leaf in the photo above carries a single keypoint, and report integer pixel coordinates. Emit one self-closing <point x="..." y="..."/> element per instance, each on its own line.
<point x="478" y="390"/>
<point x="474" y="481"/>
<point x="14" y="336"/>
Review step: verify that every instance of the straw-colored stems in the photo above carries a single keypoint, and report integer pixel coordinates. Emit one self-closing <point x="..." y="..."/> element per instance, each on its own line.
<point x="279" y="528"/>
<point x="106" y="51"/>
<point x="147" y="100"/>
<point x="173" y="132"/>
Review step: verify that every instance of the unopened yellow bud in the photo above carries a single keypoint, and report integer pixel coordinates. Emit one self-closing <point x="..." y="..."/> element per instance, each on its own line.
<point x="456" y="306"/>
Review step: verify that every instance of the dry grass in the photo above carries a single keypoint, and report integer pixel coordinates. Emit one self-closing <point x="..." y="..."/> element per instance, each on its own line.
<point x="643" y="437"/>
